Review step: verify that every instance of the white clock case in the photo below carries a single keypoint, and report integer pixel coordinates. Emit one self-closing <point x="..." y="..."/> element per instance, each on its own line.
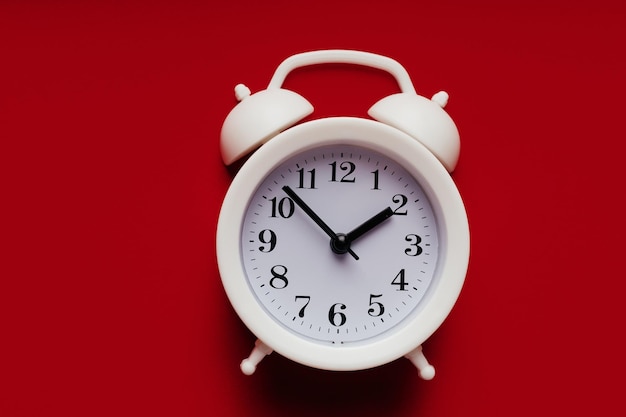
<point x="447" y="282"/>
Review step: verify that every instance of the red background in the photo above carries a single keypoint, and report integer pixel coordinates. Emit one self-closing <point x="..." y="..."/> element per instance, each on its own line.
<point x="111" y="184"/>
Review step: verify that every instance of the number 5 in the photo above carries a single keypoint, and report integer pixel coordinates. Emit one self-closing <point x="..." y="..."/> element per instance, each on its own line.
<point x="372" y="310"/>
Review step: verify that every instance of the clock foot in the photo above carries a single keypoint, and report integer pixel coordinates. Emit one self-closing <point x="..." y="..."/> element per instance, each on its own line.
<point x="426" y="370"/>
<point x="261" y="350"/>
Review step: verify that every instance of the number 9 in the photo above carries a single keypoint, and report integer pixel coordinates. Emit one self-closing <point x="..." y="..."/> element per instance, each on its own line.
<point x="264" y="239"/>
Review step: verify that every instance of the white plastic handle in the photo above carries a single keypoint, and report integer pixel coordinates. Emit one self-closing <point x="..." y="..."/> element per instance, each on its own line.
<point x="342" y="56"/>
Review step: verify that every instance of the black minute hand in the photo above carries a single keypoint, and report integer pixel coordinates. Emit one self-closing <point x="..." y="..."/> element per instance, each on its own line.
<point x="369" y="225"/>
<point x="333" y="236"/>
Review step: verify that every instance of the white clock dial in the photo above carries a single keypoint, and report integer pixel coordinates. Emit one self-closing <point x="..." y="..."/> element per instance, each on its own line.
<point x="338" y="293"/>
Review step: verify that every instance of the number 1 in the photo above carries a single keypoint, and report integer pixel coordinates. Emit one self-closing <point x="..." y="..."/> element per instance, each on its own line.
<point x="375" y="180"/>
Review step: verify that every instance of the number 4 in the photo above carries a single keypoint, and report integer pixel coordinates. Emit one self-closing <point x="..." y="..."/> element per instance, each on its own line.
<point x="400" y="281"/>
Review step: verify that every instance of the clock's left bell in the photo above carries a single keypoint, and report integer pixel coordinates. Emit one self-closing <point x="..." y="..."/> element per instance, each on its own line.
<point x="257" y="118"/>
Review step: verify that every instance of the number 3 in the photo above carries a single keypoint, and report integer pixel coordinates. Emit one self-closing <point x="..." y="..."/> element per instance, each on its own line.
<point x="414" y="249"/>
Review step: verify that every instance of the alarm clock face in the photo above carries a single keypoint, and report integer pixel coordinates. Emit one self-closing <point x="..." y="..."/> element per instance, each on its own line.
<point x="342" y="243"/>
<point x="355" y="292"/>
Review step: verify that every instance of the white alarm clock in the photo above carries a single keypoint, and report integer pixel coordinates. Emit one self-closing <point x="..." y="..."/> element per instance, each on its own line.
<point x="342" y="242"/>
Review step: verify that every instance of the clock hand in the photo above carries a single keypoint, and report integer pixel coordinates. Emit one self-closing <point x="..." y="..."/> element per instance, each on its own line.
<point x="338" y="242"/>
<point x="369" y="225"/>
<point x="287" y="189"/>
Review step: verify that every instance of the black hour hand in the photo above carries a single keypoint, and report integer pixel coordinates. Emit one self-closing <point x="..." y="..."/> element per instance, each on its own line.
<point x="369" y="224"/>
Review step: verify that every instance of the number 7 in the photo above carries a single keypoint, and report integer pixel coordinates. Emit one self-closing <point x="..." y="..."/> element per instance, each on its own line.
<point x="308" y="300"/>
